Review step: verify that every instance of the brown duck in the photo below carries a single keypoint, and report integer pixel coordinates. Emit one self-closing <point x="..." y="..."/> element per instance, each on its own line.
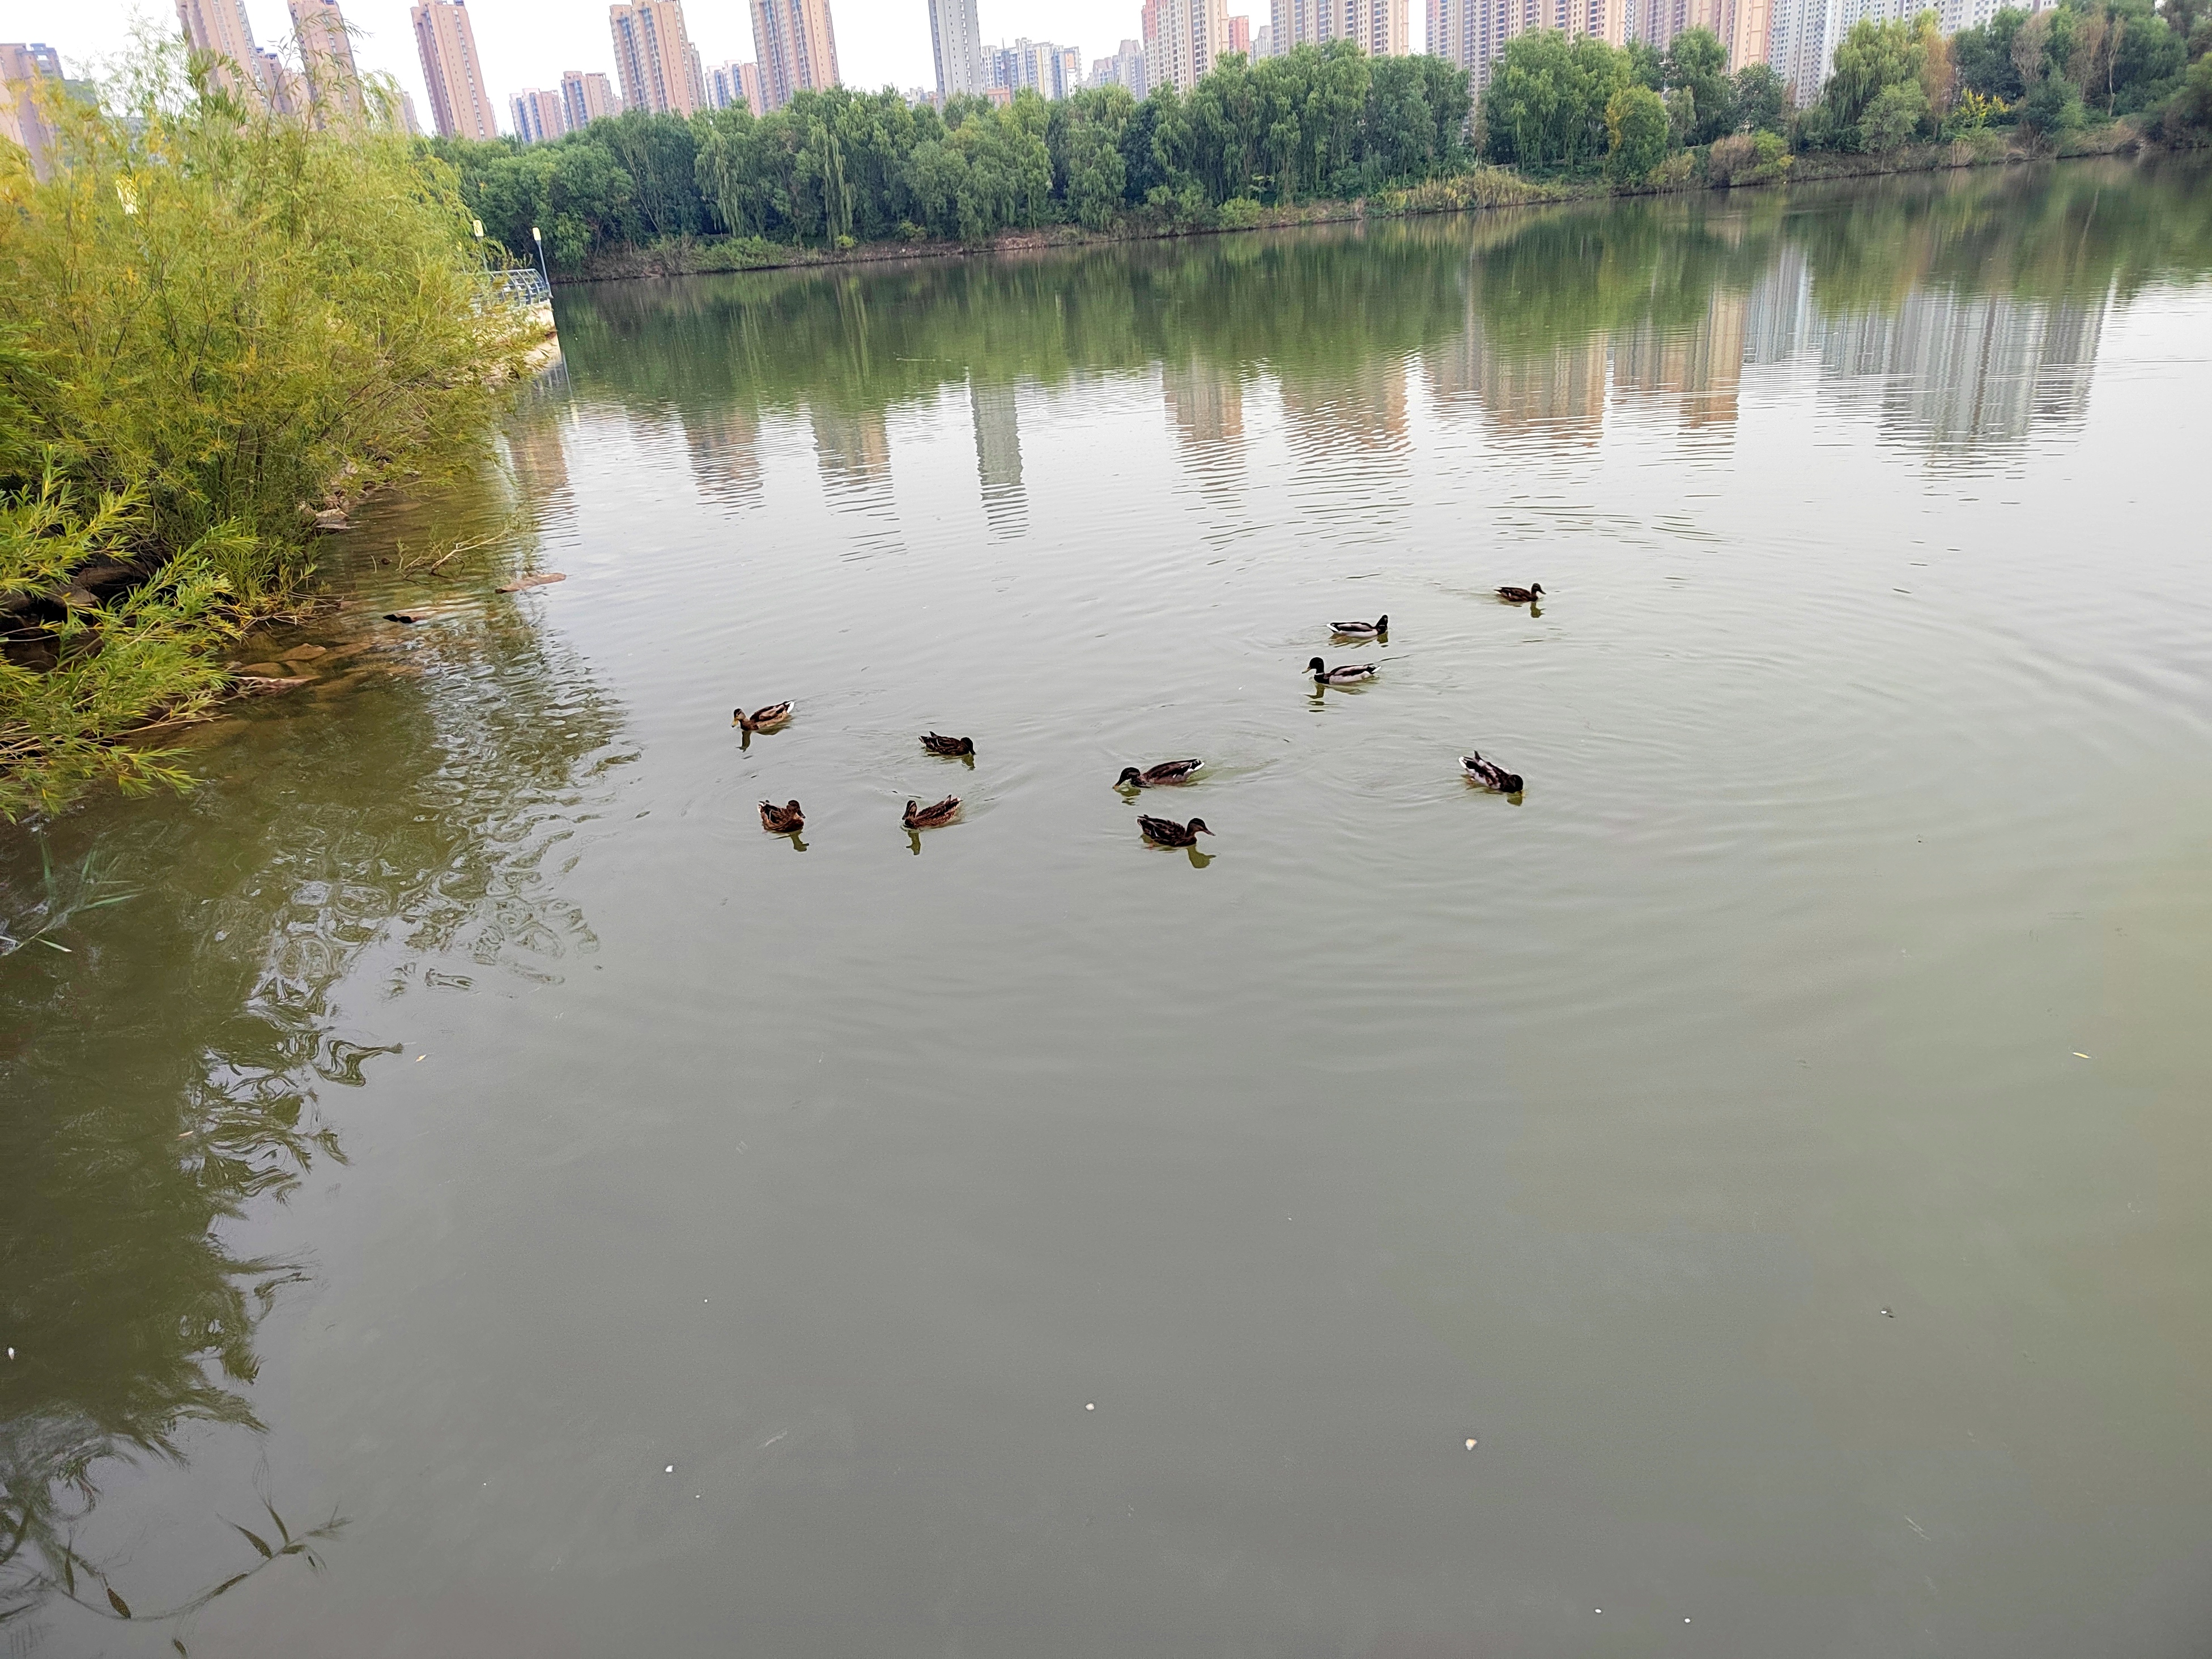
<point x="785" y="820"/>
<point x="1528" y="595"/>
<point x="762" y="719"/>
<point x="1166" y="832"/>
<point x="1152" y="777"/>
<point x="919" y="816"/>
<point x="938" y="745"/>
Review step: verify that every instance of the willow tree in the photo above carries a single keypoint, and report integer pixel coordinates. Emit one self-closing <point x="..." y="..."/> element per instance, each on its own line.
<point x="214" y="321"/>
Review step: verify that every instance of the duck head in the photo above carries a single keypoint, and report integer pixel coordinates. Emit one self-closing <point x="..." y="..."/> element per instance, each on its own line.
<point x="1317" y="666"/>
<point x="1197" y="827"/>
<point x="1129" y="776"/>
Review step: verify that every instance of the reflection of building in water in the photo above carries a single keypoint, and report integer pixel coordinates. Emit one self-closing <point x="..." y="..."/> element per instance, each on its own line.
<point x="538" y="456"/>
<point x="1960" y="370"/>
<point x="1700" y="367"/>
<point x="999" y="455"/>
<point x="725" y="449"/>
<point x="1364" y="409"/>
<point x="1206" y="403"/>
<point x="1561" y="390"/>
<point x="1963" y="370"/>
<point x="853" y="452"/>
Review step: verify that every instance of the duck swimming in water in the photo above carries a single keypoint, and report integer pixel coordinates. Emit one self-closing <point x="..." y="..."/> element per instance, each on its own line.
<point x="1166" y="832"/>
<point x="1359" y="630"/>
<point x="1152" y="777"/>
<point x="938" y="745"/>
<point x="1349" y="674"/>
<point x="1490" y="774"/>
<point x="785" y="820"/>
<point x="934" y="817"/>
<point x="1528" y="595"/>
<point x="762" y="719"/>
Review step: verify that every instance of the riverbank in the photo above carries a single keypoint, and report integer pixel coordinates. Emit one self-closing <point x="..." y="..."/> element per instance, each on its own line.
<point x="1476" y="189"/>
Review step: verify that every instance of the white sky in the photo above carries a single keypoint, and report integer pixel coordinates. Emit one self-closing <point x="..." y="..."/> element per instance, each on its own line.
<point x="527" y="43"/>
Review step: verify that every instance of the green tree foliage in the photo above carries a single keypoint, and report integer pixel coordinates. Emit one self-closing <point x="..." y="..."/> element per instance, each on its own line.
<point x="1875" y="56"/>
<point x="1894" y="116"/>
<point x="1636" y="133"/>
<point x="1545" y="108"/>
<point x="1762" y="99"/>
<point x="211" y="321"/>
<point x="1316" y="121"/>
<point x="2121" y="57"/>
<point x="1697" y="63"/>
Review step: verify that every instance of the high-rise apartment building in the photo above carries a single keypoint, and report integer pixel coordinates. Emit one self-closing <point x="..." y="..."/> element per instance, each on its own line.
<point x="1240" y="35"/>
<point x="1742" y="25"/>
<point x="28" y="72"/>
<point x="219" y="28"/>
<point x="957" y="40"/>
<point x="1263" y="39"/>
<point x="733" y="84"/>
<point x="1472" y="33"/>
<point x="326" y="66"/>
<point x="538" y="115"/>
<point x="1184" y="37"/>
<point x="1378" y="28"/>
<point x="1051" y="70"/>
<point x="796" y="46"/>
<point x="587" y="97"/>
<point x="655" y="58"/>
<point x="1126" y="68"/>
<point x="460" y="103"/>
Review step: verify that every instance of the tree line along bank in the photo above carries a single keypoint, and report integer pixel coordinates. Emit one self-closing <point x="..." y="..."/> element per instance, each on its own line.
<point x="837" y="168"/>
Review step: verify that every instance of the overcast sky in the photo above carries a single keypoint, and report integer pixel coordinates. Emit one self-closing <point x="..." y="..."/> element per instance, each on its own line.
<point x="527" y="43"/>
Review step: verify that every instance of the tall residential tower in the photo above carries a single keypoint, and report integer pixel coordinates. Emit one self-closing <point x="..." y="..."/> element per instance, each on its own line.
<point x="655" y="58"/>
<point x="460" y="103"/>
<point x="796" y="47"/>
<point x="1379" y="27"/>
<point x="957" y="40"/>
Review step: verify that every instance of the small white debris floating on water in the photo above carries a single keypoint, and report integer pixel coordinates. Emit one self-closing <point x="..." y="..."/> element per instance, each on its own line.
<point x="1091" y="1407"/>
<point x="671" y="1469"/>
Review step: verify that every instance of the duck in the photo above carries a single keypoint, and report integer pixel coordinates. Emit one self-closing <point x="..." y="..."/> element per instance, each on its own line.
<point x="938" y="745"/>
<point x="785" y="820"/>
<point x="762" y="719"/>
<point x="1359" y="630"/>
<point x="1152" y="777"/>
<point x="919" y="816"/>
<point x="1490" y="774"/>
<point x="1343" y="674"/>
<point x="1166" y="832"/>
<point x="1528" y="595"/>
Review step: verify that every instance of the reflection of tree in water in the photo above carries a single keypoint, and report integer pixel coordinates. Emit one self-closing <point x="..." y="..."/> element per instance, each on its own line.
<point x="1516" y="310"/>
<point x="165" y="1072"/>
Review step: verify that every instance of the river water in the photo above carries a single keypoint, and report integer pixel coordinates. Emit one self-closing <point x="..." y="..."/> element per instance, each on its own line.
<point x="1777" y="1140"/>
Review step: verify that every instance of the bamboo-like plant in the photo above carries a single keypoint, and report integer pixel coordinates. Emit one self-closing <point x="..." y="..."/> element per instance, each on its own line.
<point x="214" y="321"/>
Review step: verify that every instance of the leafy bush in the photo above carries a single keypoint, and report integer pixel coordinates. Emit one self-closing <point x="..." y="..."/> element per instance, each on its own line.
<point x="1636" y="133"/>
<point x="1892" y="119"/>
<point x="1747" y="158"/>
<point x="212" y="320"/>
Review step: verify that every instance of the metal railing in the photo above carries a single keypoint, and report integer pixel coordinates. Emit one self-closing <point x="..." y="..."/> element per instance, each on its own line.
<point x="522" y="285"/>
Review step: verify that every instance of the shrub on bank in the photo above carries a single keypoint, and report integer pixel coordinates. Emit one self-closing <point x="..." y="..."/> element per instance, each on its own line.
<point x="213" y="322"/>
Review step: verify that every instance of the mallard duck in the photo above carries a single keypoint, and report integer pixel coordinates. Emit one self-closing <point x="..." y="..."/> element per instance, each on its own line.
<point x="1373" y="630"/>
<point x="1166" y="832"/>
<point x="1490" y="774"/>
<point x="785" y="820"/>
<point x="1528" y="595"/>
<point x="938" y="745"/>
<point x="1343" y="674"/>
<point x="919" y="816"/>
<point x="762" y="719"/>
<point x="1153" y="776"/>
